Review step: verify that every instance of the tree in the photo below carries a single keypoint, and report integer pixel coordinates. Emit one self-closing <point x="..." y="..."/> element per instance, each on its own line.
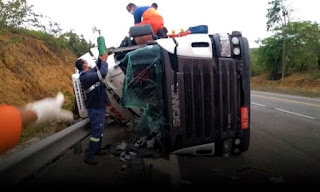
<point x="319" y="58"/>
<point x="13" y="13"/>
<point x="255" y="67"/>
<point x="76" y="43"/>
<point x="54" y="29"/>
<point x="278" y="18"/>
<point x="269" y="57"/>
<point x="17" y="14"/>
<point x="302" y="42"/>
<point x="302" y="49"/>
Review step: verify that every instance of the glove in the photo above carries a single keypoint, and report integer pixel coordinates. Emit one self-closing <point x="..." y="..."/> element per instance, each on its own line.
<point x="49" y="110"/>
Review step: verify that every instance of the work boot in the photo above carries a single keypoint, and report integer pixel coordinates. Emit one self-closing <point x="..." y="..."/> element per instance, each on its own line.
<point x="91" y="161"/>
<point x="102" y="152"/>
<point x="90" y="153"/>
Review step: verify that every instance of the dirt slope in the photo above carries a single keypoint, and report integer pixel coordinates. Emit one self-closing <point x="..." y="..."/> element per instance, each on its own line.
<point x="30" y="70"/>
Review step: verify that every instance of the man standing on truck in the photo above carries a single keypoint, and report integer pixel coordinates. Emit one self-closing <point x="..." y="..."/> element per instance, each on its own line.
<point x="146" y="15"/>
<point x="96" y="100"/>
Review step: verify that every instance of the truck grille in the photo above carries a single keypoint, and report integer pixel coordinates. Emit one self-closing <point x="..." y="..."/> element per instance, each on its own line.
<point x="209" y="100"/>
<point x="198" y="97"/>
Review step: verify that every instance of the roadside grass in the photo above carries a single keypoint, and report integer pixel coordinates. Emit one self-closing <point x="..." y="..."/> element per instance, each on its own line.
<point x="31" y="131"/>
<point x="302" y="84"/>
<point x="315" y="74"/>
<point x="68" y="100"/>
<point x="53" y="42"/>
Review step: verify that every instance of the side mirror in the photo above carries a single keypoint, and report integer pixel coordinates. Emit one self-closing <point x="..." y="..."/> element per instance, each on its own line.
<point x="140" y="30"/>
<point x="142" y="34"/>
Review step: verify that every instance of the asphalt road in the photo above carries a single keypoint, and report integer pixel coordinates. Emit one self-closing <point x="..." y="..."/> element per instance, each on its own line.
<point x="284" y="147"/>
<point x="284" y="152"/>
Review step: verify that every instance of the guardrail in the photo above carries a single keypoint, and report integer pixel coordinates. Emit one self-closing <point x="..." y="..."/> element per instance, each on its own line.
<point x="23" y="164"/>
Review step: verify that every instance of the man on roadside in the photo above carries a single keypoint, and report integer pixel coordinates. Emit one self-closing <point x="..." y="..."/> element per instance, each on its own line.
<point x="96" y="100"/>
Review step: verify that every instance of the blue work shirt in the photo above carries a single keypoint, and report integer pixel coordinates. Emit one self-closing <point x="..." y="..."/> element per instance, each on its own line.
<point x="138" y="12"/>
<point x="97" y="98"/>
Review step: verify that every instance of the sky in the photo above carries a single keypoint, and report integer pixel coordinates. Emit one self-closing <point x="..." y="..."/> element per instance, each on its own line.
<point x="222" y="16"/>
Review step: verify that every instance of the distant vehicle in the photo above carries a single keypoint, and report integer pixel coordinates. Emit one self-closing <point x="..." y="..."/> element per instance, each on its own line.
<point x="200" y="82"/>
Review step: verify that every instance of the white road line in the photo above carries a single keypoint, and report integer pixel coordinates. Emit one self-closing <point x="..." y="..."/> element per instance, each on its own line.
<point x="286" y="100"/>
<point x="294" y="113"/>
<point x="258" y="104"/>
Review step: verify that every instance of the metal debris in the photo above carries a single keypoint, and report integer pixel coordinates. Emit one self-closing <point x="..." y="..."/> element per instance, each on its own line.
<point x="122" y="146"/>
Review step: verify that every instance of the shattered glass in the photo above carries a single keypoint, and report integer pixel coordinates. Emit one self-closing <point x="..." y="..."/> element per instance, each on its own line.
<point x="143" y="90"/>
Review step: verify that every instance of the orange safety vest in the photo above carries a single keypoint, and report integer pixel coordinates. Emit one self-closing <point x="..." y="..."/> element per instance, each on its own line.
<point x="151" y="16"/>
<point x="10" y="127"/>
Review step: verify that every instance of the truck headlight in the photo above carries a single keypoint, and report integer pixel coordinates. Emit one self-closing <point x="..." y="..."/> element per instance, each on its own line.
<point x="235" y="40"/>
<point x="236" y="51"/>
<point x="225" y="46"/>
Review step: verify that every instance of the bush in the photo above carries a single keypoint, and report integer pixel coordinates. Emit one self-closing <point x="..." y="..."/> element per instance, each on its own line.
<point x="255" y="68"/>
<point x="50" y="40"/>
<point x="77" y="44"/>
<point x="17" y="16"/>
<point x="315" y="74"/>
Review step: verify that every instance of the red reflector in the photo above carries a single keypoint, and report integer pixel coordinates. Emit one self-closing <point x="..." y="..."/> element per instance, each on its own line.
<point x="244" y="118"/>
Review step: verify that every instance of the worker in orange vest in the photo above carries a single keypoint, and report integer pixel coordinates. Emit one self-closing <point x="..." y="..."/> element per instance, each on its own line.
<point x="12" y="119"/>
<point x="146" y="15"/>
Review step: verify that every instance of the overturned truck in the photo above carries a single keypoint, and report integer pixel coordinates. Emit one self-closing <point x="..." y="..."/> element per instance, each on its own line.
<point x="191" y="93"/>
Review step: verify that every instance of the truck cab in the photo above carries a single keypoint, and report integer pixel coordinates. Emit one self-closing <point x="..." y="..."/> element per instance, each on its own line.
<point x="190" y="93"/>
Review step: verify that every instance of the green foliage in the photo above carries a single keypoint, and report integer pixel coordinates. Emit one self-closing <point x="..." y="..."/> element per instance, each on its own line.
<point x="69" y="98"/>
<point x="269" y="56"/>
<point x="76" y="43"/>
<point x="278" y="14"/>
<point x="30" y="132"/>
<point x="54" y="28"/>
<point x="51" y="41"/>
<point x="315" y="74"/>
<point x="302" y="49"/>
<point x="302" y="46"/>
<point x="278" y="18"/>
<point x="273" y="14"/>
<point x="15" y="40"/>
<point x="16" y="14"/>
<point x="255" y="67"/>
